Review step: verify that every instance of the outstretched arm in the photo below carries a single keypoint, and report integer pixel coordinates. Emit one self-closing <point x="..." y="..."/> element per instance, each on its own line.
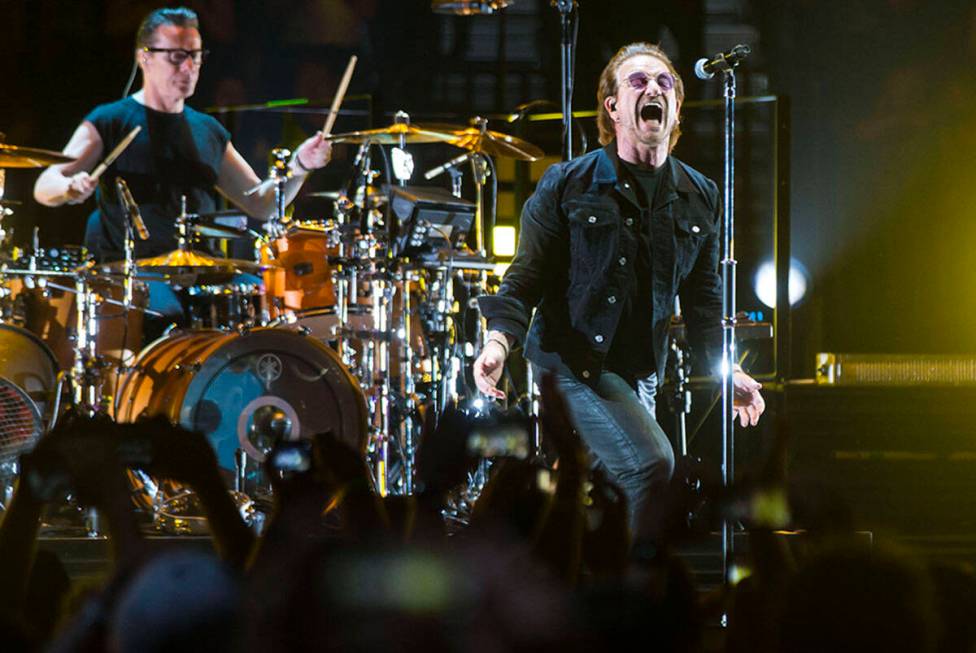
<point x="236" y="176"/>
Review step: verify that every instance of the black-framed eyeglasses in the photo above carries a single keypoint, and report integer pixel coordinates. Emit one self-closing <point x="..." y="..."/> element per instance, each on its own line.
<point x="639" y="81"/>
<point x="177" y="56"/>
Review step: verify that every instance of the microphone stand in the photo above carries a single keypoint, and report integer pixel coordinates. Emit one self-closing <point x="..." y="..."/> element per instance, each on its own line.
<point x="566" y="9"/>
<point x="729" y="357"/>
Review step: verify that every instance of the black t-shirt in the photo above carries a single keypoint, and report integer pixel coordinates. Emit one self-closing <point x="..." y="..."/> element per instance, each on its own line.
<point x="175" y="154"/>
<point x="632" y="350"/>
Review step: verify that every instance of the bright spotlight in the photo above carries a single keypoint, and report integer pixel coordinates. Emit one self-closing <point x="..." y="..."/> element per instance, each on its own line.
<point x="766" y="282"/>
<point x="503" y="240"/>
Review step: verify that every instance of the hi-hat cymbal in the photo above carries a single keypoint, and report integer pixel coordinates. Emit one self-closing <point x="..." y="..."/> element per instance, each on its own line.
<point x="214" y="230"/>
<point x="375" y="196"/>
<point x="493" y="143"/>
<point x="391" y="134"/>
<point x="13" y="156"/>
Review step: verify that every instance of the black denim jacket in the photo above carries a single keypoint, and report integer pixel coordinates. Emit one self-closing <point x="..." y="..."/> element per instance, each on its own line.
<point x="576" y="255"/>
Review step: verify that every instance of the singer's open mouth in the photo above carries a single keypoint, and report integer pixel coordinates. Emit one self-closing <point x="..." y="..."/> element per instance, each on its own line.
<point x="652" y="112"/>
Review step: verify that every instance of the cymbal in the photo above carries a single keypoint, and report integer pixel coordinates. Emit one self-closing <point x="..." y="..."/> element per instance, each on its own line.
<point x="181" y="261"/>
<point x="13" y="156"/>
<point x="391" y="134"/>
<point x="375" y="196"/>
<point x="496" y="144"/>
<point x="213" y="230"/>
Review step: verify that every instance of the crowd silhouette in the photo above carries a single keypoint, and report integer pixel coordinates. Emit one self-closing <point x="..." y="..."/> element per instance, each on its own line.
<point x="547" y="562"/>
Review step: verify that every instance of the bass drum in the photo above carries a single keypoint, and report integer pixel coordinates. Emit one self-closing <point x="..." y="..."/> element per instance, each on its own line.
<point x="29" y="364"/>
<point x="245" y="391"/>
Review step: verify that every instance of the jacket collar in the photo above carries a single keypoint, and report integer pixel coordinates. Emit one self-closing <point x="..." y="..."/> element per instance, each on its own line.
<point x="609" y="171"/>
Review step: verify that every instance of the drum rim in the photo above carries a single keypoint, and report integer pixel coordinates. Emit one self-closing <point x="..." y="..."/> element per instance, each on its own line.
<point x="205" y="374"/>
<point x="55" y="366"/>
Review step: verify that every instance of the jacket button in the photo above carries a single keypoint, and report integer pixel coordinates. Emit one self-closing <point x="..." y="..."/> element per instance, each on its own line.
<point x="629" y="222"/>
<point x="592" y="219"/>
<point x="622" y="260"/>
<point x="598" y="338"/>
<point x="611" y="299"/>
<point x="585" y="374"/>
<point x="696" y="229"/>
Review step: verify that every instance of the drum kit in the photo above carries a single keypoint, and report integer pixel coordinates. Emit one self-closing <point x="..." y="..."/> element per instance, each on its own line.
<point x="355" y="324"/>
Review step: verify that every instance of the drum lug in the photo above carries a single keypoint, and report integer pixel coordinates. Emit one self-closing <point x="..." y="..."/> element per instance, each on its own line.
<point x="192" y="368"/>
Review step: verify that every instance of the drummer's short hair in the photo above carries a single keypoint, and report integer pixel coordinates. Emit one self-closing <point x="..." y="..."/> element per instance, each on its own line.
<point x="177" y="16"/>
<point x="608" y="86"/>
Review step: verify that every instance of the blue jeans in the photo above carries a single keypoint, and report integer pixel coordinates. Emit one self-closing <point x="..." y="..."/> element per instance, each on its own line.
<point x="617" y="423"/>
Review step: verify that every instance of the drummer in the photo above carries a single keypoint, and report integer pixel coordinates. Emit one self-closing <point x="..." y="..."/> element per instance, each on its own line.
<point x="178" y="152"/>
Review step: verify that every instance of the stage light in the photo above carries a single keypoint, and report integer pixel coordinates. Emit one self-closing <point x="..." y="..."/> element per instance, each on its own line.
<point x="503" y="240"/>
<point x="765" y="282"/>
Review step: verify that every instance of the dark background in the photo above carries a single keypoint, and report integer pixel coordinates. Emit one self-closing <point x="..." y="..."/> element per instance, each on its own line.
<point x="883" y="121"/>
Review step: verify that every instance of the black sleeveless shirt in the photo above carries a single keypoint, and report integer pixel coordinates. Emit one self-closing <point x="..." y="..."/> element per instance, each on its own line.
<point x="174" y="154"/>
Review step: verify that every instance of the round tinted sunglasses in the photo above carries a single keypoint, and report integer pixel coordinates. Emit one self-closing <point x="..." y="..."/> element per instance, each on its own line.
<point x="639" y="81"/>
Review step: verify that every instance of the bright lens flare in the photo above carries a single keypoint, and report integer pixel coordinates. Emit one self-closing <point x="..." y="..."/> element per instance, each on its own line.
<point x="765" y="282"/>
<point x="503" y="240"/>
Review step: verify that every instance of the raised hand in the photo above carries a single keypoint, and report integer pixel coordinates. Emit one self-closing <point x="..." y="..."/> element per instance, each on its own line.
<point x="314" y="153"/>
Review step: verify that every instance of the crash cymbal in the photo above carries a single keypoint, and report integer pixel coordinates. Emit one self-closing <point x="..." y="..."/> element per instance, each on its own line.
<point x="493" y="143"/>
<point x="391" y="134"/>
<point x="13" y="156"/>
<point x="468" y="7"/>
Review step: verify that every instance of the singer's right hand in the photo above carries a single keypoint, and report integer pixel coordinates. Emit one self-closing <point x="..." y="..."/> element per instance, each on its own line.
<point x="80" y="188"/>
<point x="488" y="369"/>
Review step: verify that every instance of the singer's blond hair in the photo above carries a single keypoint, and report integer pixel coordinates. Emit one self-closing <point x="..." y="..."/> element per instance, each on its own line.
<point x="608" y="87"/>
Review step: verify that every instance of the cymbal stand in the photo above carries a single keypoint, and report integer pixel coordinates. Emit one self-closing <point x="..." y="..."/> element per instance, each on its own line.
<point x="85" y="372"/>
<point x="345" y="277"/>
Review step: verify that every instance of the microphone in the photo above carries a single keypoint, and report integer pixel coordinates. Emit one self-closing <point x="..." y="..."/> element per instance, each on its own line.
<point x="132" y="208"/>
<point x="706" y="68"/>
<point x="456" y="161"/>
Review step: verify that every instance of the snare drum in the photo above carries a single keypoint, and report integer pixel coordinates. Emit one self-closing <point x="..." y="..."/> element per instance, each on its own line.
<point x="224" y="305"/>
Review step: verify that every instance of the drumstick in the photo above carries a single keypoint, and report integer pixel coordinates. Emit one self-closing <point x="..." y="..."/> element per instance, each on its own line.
<point x="115" y="153"/>
<point x="340" y="94"/>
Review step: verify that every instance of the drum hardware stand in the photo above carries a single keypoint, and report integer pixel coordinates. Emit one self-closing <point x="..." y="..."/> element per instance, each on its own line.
<point x="479" y="170"/>
<point x="404" y="170"/>
<point x="279" y="173"/>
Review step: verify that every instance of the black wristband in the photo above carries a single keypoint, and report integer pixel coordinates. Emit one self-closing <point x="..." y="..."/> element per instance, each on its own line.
<point x="504" y="345"/>
<point x="301" y="165"/>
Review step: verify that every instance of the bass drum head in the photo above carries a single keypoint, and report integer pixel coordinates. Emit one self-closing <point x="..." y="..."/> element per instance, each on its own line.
<point x="246" y="391"/>
<point x="28" y="363"/>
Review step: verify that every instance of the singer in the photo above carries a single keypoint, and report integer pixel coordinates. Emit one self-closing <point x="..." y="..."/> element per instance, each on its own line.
<point x="178" y="152"/>
<point x="607" y="240"/>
